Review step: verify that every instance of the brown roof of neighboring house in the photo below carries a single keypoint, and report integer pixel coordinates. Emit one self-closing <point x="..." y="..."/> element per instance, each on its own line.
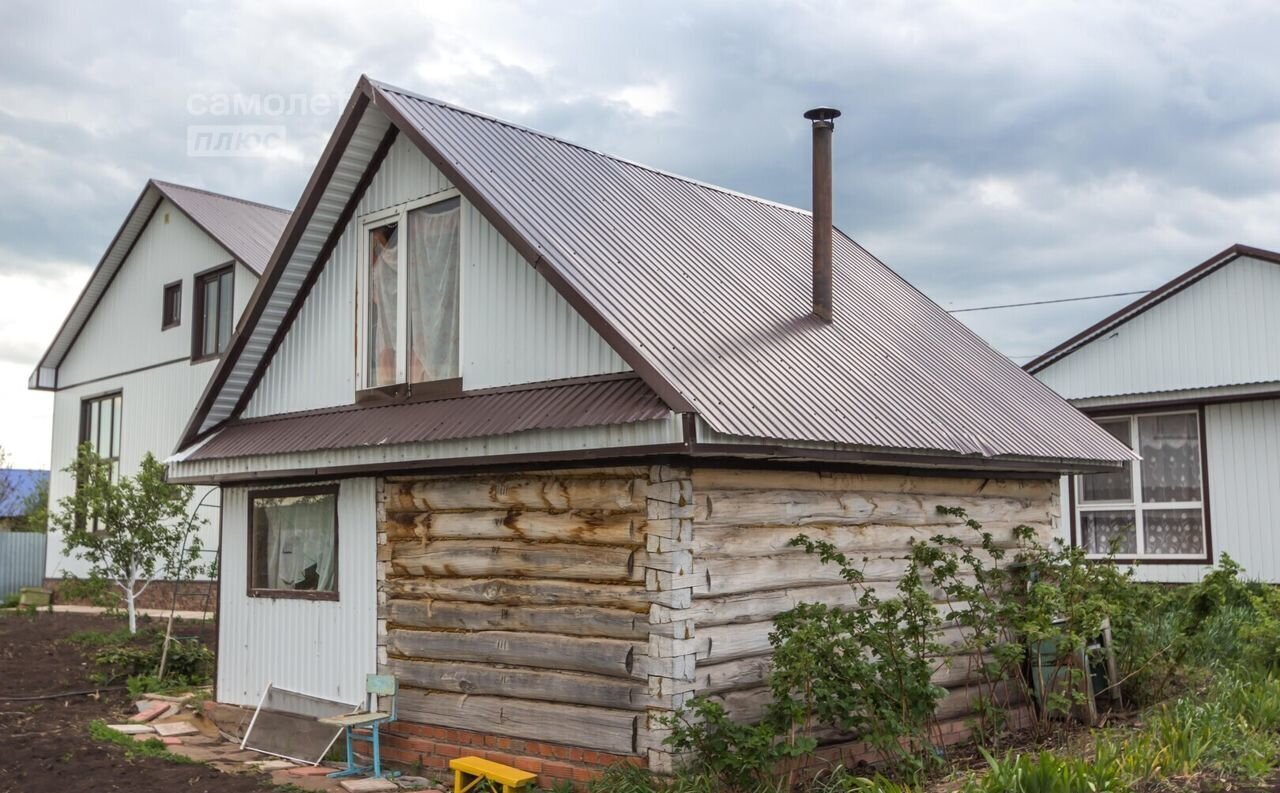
<point x="609" y="400"/>
<point x="247" y="230"/>
<point x="1148" y="301"/>
<point x="705" y="292"/>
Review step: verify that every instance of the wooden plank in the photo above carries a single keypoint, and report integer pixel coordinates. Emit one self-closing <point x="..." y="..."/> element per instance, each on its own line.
<point x="602" y="729"/>
<point x="520" y="591"/>
<point x="611" y="657"/>
<point x="587" y="491"/>
<point x="816" y="508"/>
<point x="758" y="574"/>
<point x="467" y="559"/>
<point x="577" y="526"/>
<point x="874" y="538"/>
<point x="764" y="479"/>
<point x="546" y="685"/>
<point x="569" y="620"/>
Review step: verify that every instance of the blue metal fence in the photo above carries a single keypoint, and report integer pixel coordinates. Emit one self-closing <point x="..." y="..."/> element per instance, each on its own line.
<point x="21" y="561"/>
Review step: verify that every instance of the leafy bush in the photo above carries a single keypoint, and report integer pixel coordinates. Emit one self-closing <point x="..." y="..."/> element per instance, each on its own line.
<point x="136" y="659"/>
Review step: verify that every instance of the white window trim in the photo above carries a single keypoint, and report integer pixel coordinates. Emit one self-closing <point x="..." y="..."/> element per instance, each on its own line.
<point x="400" y="215"/>
<point x="1135" y="502"/>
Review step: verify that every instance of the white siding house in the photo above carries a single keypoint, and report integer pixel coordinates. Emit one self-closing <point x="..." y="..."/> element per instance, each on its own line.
<point x="1189" y="376"/>
<point x="133" y="357"/>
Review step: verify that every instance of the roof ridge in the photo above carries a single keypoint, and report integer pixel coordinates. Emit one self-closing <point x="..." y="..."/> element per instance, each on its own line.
<point x="556" y="139"/>
<point x="237" y="199"/>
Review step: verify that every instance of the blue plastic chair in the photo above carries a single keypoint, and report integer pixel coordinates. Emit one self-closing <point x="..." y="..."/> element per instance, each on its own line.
<point x="375" y="686"/>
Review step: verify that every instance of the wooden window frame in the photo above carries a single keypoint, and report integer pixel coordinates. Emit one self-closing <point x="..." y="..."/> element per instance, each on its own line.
<point x="401" y="390"/>
<point x="86" y="405"/>
<point x="294" y="594"/>
<point x="1137" y="505"/>
<point x="173" y="288"/>
<point x="197" y="310"/>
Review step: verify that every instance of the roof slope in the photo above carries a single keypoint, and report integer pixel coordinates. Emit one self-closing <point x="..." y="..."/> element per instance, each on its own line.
<point x="1149" y="301"/>
<point x="706" y="293"/>
<point x="607" y="400"/>
<point x="16" y="485"/>
<point x="247" y="230"/>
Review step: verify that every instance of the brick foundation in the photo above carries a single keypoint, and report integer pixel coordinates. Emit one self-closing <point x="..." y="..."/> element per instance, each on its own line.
<point x="192" y="595"/>
<point x="410" y="746"/>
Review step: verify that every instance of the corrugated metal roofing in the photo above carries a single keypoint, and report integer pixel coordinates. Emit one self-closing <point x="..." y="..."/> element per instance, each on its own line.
<point x="562" y="406"/>
<point x="247" y="230"/>
<point x="706" y="293"/>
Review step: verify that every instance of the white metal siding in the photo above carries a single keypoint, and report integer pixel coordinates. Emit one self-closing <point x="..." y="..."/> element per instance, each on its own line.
<point x="1219" y="331"/>
<point x="514" y="327"/>
<point x="1242" y="444"/>
<point x="155" y="407"/>
<point x="641" y="433"/>
<point x="322" y="648"/>
<point x="123" y="333"/>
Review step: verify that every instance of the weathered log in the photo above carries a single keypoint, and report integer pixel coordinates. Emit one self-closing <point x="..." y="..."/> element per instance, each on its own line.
<point x="578" y="526"/>
<point x="726" y="576"/>
<point x="549" y="686"/>
<point x="603" y="729"/>
<point x="611" y="657"/>
<point x="749" y="705"/>
<point x="710" y="541"/>
<point x="818" y="508"/>
<point x="467" y="559"/>
<point x="764" y="479"/>
<point x="586" y="491"/>
<point x="520" y="591"/>
<point x="569" y="620"/>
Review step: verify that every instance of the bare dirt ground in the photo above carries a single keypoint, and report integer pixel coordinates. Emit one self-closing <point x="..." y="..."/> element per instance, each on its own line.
<point x="46" y="743"/>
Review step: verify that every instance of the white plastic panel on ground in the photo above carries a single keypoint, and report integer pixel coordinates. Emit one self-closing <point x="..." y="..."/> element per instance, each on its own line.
<point x="514" y="327"/>
<point x="315" y="647"/>
<point x="1219" y="331"/>
<point x="1242" y="441"/>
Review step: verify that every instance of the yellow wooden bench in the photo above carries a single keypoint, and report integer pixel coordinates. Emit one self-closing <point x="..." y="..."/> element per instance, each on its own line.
<point x="469" y="771"/>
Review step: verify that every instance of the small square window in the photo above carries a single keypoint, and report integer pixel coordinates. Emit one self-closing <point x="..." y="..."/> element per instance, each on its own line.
<point x="293" y="543"/>
<point x="172" y="311"/>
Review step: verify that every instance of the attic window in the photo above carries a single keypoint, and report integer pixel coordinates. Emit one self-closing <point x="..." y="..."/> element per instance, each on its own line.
<point x="409" y="282"/>
<point x="213" y="311"/>
<point x="171" y="314"/>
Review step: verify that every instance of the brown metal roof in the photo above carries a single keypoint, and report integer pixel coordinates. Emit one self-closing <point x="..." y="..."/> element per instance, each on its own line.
<point x="1150" y="300"/>
<point x="247" y="229"/>
<point x="546" y="406"/>
<point x="706" y="294"/>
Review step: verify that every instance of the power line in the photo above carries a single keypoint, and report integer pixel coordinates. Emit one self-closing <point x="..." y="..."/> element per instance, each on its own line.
<point x="1047" y="302"/>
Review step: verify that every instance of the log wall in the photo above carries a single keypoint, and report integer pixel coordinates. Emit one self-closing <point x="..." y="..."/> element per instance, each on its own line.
<point x="519" y="604"/>
<point x="745" y="573"/>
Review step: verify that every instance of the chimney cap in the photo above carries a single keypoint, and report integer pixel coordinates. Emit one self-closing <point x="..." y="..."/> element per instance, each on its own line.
<point x="822" y="114"/>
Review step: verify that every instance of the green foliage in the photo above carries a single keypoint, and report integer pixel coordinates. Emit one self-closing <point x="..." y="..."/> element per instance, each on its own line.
<point x="97" y="591"/>
<point x="130" y="530"/>
<point x="739" y="756"/>
<point x="1046" y="773"/>
<point x="152" y="747"/>
<point x="135" y="658"/>
<point x="35" y="510"/>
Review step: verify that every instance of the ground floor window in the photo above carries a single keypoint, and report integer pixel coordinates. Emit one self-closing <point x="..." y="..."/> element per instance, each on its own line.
<point x="293" y="542"/>
<point x="1153" y="508"/>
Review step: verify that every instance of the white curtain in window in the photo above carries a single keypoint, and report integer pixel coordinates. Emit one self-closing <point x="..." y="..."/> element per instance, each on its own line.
<point x="383" y="287"/>
<point x="1170" y="449"/>
<point x="300" y="542"/>
<point x="433" y="254"/>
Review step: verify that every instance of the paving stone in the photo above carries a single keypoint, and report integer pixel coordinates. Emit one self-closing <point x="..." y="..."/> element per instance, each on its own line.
<point x="413" y="782"/>
<point x="156" y="710"/>
<point x="369" y="785"/>
<point x="200" y="754"/>
<point x="270" y="765"/>
<point x="311" y="770"/>
<point x="132" y="729"/>
<point x="171" y="741"/>
<point x="175" y="728"/>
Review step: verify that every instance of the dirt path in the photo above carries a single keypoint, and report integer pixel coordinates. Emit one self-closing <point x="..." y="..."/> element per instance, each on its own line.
<point x="47" y="748"/>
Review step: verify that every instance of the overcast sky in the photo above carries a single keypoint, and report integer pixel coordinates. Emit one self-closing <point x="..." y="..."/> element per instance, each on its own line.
<point x="989" y="152"/>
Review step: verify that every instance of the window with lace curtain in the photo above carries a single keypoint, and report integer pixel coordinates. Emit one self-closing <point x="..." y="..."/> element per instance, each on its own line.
<point x="1152" y="508"/>
<point x="293" y="543"/>
<point x="408" y="324"/>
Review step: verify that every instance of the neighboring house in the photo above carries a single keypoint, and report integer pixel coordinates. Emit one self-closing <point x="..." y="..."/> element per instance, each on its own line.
<point x="138" y="346"/>
<point x="530" y="427"/>
<point x="17" y="486"/>
<point x="1188" y="376"/>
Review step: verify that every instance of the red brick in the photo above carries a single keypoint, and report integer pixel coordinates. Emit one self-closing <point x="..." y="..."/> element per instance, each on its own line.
<point x="584" y="774"/>
<point x="447" y="750"/>
<point x="557" y="770"/>
<point x="531" y="764"/>
<point x="500" y="757"/>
